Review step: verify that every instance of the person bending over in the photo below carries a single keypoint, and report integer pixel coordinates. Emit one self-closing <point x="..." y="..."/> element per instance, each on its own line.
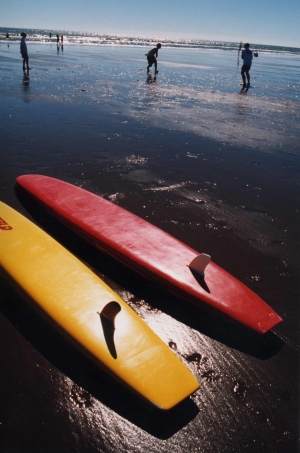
<point x="152" y="57"/>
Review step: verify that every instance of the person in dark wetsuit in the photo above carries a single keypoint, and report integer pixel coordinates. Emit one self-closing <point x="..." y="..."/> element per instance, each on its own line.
<point x="23" y="50"/>
<point x="247" y="61"/>
<point x="152" y="57"/>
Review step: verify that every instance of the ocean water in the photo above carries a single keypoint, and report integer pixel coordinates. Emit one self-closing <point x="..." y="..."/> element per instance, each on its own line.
<point x="197" y="88"/>
<point x="75" y="37"/>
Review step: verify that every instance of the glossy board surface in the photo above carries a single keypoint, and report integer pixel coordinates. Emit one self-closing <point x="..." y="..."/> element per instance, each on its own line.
<point x="150" y="251"/>
<point x="90" y="313"/>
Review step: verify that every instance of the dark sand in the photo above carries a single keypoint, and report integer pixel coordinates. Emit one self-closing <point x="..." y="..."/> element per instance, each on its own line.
<point x="90" y="118"/>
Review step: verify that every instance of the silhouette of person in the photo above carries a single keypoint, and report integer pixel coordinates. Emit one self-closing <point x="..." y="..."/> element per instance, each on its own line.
<point x="152" y="56"/>
<point x="23" y="51"/>
<point x="247" y="61"/>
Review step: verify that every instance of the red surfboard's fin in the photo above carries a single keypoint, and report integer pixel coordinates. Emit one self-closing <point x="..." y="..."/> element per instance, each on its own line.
<point x="199" y="263"/>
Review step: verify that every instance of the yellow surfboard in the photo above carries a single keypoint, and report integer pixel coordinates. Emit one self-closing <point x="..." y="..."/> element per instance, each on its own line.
<point x="90" y="313"/>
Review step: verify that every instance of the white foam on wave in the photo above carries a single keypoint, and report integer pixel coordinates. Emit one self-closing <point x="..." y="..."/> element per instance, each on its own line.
<point x="92" y="39"/>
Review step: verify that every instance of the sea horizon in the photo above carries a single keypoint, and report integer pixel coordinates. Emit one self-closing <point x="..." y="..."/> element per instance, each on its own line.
<point x="98" y="39"/>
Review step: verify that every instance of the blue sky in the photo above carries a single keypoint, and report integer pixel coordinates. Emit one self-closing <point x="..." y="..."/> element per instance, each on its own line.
<point x="257" y="21"/>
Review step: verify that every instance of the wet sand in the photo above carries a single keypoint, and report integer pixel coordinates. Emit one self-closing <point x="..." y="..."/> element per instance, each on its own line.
<point x="216" y="169"/>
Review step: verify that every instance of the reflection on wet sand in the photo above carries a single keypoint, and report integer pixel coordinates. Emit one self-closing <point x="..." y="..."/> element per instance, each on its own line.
<point x="26" y="79"/>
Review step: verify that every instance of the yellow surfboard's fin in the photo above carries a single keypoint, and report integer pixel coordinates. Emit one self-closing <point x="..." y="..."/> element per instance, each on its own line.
<point x="110" y="311"/>
<point x="108" y="316"/>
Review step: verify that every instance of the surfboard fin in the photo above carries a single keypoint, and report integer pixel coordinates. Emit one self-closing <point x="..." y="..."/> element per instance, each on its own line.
<point x="199" y="263"/>
<point x="107" y="316"/>
<point x="110" y="311"/>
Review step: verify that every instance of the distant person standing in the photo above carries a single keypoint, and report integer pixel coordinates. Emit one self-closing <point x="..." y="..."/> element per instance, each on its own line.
<point x="152" y="56"/>
<point x="50" y="36"/>
<point x="62" y="39"/>
<point x="247" y="62"/>
<point x="24" y="53"/>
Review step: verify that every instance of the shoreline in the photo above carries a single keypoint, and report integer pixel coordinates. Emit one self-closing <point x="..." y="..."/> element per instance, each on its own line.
<point x="38" y="35"/>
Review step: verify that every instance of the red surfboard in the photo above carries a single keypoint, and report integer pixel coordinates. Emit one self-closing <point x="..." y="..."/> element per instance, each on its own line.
<point x="150" y="251"/>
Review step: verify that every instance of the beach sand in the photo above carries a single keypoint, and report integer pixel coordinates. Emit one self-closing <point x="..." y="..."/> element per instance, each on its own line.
<point x="216" y="169"/>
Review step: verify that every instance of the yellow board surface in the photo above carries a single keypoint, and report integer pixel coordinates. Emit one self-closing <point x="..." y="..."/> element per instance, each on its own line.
<point x="73" y="297"/>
